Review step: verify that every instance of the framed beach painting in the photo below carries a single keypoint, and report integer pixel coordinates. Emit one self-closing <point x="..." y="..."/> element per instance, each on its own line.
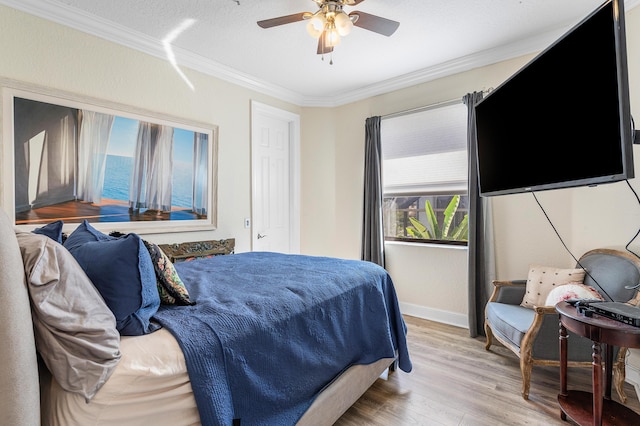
<point x="72" y="158"/>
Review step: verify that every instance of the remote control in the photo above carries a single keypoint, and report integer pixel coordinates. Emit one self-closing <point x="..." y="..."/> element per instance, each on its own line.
<point x="582" y="302"/>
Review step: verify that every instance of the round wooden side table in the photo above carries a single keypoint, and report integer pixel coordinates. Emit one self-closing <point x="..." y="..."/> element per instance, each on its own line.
<point x="596" y="407"/>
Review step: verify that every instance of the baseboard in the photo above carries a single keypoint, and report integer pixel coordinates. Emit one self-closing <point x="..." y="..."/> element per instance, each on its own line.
<point x="438" y="315"/>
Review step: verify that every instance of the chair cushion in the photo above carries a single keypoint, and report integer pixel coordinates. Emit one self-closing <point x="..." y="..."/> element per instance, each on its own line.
<point x="509" y="322"/>
<point x="542" y="279"/>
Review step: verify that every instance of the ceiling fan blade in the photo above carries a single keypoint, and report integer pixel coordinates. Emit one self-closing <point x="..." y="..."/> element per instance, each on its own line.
<point x="323" y="47"/>
<point x="282" y="20"/>
<point x="375" y="23"/>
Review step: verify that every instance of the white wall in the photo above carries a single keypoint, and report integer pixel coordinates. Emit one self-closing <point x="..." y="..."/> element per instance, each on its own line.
<point x="431" y="281"/>
<point x="318" y="180"/>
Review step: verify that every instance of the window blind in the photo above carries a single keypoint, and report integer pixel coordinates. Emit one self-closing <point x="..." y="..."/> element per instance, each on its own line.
<point x="425" y="151"/>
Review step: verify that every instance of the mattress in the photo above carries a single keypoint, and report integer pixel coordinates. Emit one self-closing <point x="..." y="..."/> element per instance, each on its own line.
<point x="149" y="386"/>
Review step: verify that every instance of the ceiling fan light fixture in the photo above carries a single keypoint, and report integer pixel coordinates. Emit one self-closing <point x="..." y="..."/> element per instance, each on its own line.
<point x="316" y="25"/>
<point x="344" y="24"/>
<point x="332" y="37"/>
<point x="313" y="32"/>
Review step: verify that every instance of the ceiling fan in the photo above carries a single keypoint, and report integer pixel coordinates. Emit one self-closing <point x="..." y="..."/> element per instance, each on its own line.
<point x="330" y="22"/>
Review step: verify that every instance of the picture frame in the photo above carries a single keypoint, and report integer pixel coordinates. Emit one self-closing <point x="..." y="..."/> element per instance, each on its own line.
<point x="74" y="158"/>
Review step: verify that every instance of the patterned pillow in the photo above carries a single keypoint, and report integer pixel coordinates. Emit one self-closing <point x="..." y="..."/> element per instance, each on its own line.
<point x="170" y="287"/>
<point x="543" y="279"/>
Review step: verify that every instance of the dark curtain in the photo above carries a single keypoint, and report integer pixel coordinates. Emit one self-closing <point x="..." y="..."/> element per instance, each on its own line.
<point x="372" y="231"/>
<point x="480" y="248"/>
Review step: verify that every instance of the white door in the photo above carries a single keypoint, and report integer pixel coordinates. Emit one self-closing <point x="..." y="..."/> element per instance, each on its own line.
<point x="274" y="181"/>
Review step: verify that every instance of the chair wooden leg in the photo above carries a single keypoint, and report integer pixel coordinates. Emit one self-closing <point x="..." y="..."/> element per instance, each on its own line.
<point x="489" y="334"/>
<point x="619" y="375"/>
<point x="525" y="370"/>
<point x="526" y="350"/>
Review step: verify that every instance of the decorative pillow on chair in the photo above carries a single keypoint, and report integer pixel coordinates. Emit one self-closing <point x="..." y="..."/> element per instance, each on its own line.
<point x="543" y="279"/>
<point x="122" y="271"/>
<point x="76" y="333"/>
<point x="572" y="291"/>
<point x="52" y="230"/>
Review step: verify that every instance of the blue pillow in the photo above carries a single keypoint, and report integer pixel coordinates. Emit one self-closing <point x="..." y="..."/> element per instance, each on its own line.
<point x="122" y="271"/>
<point x="52" y="230"/>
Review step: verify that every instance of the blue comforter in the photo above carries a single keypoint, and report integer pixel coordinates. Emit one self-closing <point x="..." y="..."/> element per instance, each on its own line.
<point x="269" y="331"/>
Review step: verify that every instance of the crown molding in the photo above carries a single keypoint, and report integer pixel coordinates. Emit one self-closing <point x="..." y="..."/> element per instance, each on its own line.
<point x="465" y="63"/>
<point x="487" y="57"/>
<point x="90" y="24"/>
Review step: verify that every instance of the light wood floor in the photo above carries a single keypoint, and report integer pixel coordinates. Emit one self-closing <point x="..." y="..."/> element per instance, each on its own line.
<point x="455" y="381"/>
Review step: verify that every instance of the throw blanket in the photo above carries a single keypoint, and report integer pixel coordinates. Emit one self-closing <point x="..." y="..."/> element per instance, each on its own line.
<point x="269" y="331"/>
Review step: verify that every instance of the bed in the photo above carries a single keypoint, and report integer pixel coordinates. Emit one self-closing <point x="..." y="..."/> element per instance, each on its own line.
<point x="254" y="338"/>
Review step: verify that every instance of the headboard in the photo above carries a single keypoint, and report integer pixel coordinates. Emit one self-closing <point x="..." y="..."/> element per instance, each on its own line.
<point x="19" y="386"/>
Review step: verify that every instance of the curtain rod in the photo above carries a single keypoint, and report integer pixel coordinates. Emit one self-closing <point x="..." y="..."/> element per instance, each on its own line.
<point x="428" y="107"/>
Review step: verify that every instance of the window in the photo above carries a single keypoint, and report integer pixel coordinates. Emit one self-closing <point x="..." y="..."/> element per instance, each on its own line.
<point x="424" y="175"/>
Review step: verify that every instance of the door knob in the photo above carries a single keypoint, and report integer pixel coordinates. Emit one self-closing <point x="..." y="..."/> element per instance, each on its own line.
<point x="261" y="236"/>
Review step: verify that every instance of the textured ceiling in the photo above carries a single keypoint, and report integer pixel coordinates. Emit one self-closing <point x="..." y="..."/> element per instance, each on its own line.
<point x="221" y="37"/>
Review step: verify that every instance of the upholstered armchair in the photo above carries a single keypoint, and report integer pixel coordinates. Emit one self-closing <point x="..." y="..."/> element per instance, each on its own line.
<point x="532" y="333"/>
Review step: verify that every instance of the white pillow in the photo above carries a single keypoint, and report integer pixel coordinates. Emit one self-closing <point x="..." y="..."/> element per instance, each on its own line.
<point x="75" y="330"/>
<point x="543" y="279"/>
<point x="572" y="290"/>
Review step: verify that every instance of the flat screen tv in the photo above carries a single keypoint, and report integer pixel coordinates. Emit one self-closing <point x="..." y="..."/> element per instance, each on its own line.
<point x="563" y="120"/>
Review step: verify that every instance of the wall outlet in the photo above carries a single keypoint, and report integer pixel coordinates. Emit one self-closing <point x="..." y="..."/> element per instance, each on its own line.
<point x="247" y="223"/>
